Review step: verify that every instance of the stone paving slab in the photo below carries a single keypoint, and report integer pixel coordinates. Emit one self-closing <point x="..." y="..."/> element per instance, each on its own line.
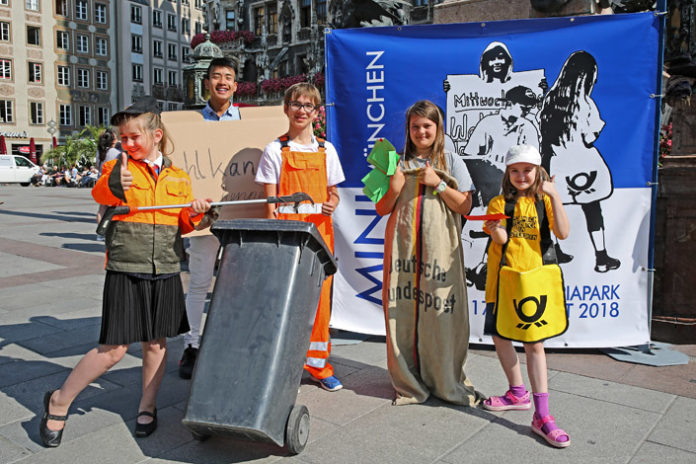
<point x="677" y="428"/>
<point x="654" y="453"/>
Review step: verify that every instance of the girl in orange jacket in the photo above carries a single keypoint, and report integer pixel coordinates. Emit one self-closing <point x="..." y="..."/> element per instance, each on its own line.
<point x="143" y="298"/>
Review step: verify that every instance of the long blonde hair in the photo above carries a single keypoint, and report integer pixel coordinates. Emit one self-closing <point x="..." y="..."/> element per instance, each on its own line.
<point x="429" y="110"/>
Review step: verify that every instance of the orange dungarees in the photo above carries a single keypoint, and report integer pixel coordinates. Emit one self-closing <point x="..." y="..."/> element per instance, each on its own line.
<point x="306" y="172"/>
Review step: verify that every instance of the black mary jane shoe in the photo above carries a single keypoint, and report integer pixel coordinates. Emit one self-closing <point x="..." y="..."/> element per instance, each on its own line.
<point x="50" y="438"/>
<point x="144" y="430"/>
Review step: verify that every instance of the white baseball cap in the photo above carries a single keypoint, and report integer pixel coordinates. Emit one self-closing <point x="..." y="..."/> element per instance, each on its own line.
<point x="523" y="154"/>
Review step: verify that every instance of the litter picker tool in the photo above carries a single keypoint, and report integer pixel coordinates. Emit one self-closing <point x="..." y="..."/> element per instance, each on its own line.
<point x="295" y="199"/>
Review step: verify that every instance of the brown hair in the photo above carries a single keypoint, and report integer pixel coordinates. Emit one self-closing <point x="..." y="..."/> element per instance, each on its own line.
<point x="149" y="122"/>
<point x="299" y="90"/>
<point x="429" y="110"/>
<point x="510" y="192"/>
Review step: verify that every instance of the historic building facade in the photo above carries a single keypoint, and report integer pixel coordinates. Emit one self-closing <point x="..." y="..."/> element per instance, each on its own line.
<point x="278" y="42"/>
<point x="66" y="64"/>
<point x="56" y="62"/>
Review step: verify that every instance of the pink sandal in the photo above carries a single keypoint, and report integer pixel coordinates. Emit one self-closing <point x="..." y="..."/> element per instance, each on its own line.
<point x="551" y="437"/>
<point x="508" y="402"/>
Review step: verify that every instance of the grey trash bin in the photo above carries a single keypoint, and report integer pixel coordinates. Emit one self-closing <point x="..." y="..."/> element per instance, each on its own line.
<point x="257" y="332"/>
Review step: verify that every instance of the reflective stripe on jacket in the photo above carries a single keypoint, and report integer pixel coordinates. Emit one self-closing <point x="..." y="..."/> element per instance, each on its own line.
<point x="147" y="242"/>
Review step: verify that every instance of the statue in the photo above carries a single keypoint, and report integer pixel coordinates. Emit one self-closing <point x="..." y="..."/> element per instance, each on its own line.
<point x="211" y="11"/>
<point x="365" y="13"/>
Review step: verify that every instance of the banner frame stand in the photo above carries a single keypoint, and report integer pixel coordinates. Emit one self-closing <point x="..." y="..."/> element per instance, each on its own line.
<point x="652" y="353"/>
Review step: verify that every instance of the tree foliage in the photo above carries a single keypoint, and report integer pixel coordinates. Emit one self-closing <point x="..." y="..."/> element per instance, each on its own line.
<point x="78" y="149"/>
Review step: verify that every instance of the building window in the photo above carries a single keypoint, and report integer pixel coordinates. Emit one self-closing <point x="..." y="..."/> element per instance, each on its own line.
<point x="32" y="5"/>
<point x="65" y="115"/>
<point x="100" y="13"/>
<point x="63" y="76"/>
<point x="199" y="27"/>
<point x="62" y="40"/>
<point x="137" y="72"/>
<point x="85" y="115"/>
<point x="230" y="20"/>
<point x="185" y="26"/>
<point x="171" y="22"/>
<point x="172" y="106"/>
<point x="5" y="69"/>
<point x="171" y="52"/>
<point x="157" y="48"/>
<point x="185" y="54"/>
<point x="136" y="43"/>
<point x="321" y="11"/>
<point x="305" y="13"/>
<point x="158" y="76"/>
<point x="62" y="7"/>
<point x="199" y="4"/>
<point x="258" y="21"/>
<point x="33" y="35"/>
<point x="172" y="77"/>
<point x="82" y="45"/>
<point x="35" y="72"/>
<point x="272" y="19"/>
<point x="136" y="14"/>
<point x="6" y="111"/>
<point x="101" y="47"/>
<point x="36" y="113"/>
<point x="4" y="31"/>
<point x="81" y="10"/>
<point x="103" y="115"/>
<point x="157" y="18"/>
<point x="102" y="80"/>
<point x="83" y="78"/>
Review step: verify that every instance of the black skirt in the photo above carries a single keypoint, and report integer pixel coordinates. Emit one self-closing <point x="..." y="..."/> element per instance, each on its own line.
<point x="141" y="310"/>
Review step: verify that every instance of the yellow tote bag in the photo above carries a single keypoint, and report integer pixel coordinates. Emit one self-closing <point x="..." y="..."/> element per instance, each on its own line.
<point x="530" y="305"/>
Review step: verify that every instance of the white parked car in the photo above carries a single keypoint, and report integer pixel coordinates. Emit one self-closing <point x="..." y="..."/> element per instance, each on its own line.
<point x="16" y="169"/>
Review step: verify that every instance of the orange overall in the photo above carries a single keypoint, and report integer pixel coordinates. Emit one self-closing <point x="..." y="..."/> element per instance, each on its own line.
<point x="306" y="172"/>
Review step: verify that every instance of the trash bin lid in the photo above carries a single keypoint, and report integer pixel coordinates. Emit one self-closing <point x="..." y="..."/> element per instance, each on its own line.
<point x="250" y="226"/>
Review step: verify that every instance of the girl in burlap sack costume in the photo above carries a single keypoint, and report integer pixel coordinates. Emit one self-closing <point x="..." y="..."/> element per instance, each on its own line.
<point x="424" y="291"/>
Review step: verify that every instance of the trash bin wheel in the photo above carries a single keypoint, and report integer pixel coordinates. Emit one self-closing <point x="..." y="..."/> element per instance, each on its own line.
<point x="297" y="430"/>
<point x="199" y="436"/>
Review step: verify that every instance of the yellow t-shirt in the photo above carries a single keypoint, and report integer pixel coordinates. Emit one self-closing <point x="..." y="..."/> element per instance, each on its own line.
<point x="524" y="247"/>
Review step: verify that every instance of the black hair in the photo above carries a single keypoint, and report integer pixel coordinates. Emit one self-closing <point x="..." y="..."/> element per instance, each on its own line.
<point x="221" y="63"/>
<point x="106" y="140"/>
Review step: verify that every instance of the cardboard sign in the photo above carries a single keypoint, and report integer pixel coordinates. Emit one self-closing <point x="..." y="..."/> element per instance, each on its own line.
<point x="222" y="157"/>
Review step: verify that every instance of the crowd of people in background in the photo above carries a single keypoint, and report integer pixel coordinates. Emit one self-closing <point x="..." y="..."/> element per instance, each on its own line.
<point x="64" y="176"/>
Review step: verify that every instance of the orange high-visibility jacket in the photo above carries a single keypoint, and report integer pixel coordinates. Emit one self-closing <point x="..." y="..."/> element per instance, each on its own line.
<point x="147" y="242"/>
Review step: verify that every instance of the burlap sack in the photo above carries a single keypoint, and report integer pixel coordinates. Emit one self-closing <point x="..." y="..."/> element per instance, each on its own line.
<point x="426" y="312"/>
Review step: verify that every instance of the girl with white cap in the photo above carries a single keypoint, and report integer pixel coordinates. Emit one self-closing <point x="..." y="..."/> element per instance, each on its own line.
<point x="526" y="187"/>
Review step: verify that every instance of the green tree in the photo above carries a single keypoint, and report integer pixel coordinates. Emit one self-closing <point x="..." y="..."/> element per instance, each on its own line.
<point x="78" y="149"/>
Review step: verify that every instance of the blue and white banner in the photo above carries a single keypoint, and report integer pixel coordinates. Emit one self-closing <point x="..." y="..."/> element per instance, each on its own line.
<point x="582" y="89"/>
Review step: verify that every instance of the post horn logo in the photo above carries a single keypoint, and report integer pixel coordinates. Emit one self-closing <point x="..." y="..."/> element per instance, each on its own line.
<point x="535" y="318"/>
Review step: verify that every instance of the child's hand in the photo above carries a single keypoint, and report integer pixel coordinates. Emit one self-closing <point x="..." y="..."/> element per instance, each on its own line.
<point x="397" y="180"/>
<point x="126" y="175"/>
<point x="491" y="225"/>
<point x="549" y="187"/>
<point x="429" y="177"/>
<point x="200" y="206"/>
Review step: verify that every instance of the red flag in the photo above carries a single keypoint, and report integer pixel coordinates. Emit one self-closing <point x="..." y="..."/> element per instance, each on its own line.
<point x="32" y="150"/>
<point x="55" y="142"/>
<point x="3" y="147"/>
